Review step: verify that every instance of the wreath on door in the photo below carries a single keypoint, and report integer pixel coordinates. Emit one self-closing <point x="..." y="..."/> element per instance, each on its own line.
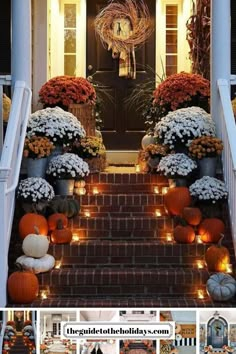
<point x="123" y="27"/>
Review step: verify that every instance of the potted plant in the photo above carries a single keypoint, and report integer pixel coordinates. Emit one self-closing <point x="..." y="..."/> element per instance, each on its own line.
<point x="36" y="150"/>
<point x="179" y="128"/>
<point x="92" y="150"/>
<point x="180" y="91"/>
<point x="65" y="169"/>
<point x="60" y="127"/>
<point x="178" y="167"/>
<point x="206" y="149"/>
<point x="35" y="193"/>
<point x="209" y="192"/>
<point x="75" y="94"/>
<point x="153" y="153"/>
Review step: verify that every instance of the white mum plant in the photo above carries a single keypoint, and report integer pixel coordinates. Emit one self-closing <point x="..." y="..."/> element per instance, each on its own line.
<point x="180" y="127"/>
<point x="176" y="165"/>
<point x="59" y="126"/>
<point x="67" y="166"/>
<point x="208" y="189"/>
<point x="34" y="190"/>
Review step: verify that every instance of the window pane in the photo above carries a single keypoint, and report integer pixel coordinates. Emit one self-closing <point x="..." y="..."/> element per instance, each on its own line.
<point x="171" y="16"/>
<point x="70" y="15"/>
<point x="69" y="41"/>
<point x="171" y="64"/>
<point x="171" y="60"/>
<point x="170" y="70"/>
<point x="70" y="65"/>
<point x="171" y="41"/>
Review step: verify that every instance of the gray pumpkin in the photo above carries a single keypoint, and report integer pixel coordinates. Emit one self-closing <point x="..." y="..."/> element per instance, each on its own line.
<point x="221" y="287"/>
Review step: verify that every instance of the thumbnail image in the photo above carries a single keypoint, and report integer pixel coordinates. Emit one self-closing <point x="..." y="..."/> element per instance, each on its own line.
<point x="98" y="347"/>
<point x="217" y="331"/>
<point x="137" y="316"/>
<point x="18" y="329"/>
<point x="50" y="332"/>
<point x="97" y="316"/>
<point x="185" y="332"/>
<point x="137" y="347"/>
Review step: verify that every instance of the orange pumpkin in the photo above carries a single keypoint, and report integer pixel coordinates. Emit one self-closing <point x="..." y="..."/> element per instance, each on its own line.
<point x="53" y="220"/>
<point x="184" y="234"/>
<point x="211" y="229"/>
<point x="217" y="257"/>
<point x="28" y="223"/>
<point x="193" y="216"/>
<point x="23" y="286"/>
<point x="61" y="234"/>
<point x="176" y="199"/>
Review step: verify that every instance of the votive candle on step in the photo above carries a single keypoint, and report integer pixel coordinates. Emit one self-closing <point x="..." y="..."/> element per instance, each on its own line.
<point x="200" y="264"/>
<point x="169" y="237"/>
<point x="87" y="214"/>
<point x="229" y="268"/>
<point x="95" y="190"/>
<point x="164" y="190"/>
<point x="137" y="168"/>
<point x="156" y="190"/>
<point x="158" y="213"/>
<point x="200" y="294"/>
<point x="198" y="239"/>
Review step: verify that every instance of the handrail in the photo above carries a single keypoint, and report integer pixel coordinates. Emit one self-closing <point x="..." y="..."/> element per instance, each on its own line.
<point x="227" y="131"/>
<point x="10" y="170"/>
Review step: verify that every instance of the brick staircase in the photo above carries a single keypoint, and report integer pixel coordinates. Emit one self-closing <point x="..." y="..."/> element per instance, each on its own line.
<point x="19" y="346"/>
<point x="123" y="258"/>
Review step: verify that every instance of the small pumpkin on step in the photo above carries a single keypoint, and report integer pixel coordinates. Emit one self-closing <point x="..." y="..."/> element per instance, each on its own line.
<point x="193" y="216"/>
<point x="176" y="199"/>
<point x="211" y="229"/>
<point x="221" y="287"/>
<point x="183" y="233"/>
<point x="35" y="245"/>
<point x="53" y="220"/>
<point x="217" y="257"/>
<point x="61" y="234"/>
<point x="66" y="206"/>
<point x="29" y="221"/>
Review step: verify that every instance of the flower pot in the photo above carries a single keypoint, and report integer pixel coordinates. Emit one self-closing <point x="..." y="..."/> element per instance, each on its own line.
<point x="207" y="166"/>
<point x="153" y="162"/>
<point x="64" y="186"/>
<point x="37" y="167"/>
<point x="178" y="181"/>
<point x="96" y="164"/>
<point x="57" y="151"/>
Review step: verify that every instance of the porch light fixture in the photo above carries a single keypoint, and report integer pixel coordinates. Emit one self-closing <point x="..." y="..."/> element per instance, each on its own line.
<point x="229" y="268"/>
<point x="156" y="190"/>
<point x="200" y="294"/>
<point x="198" y="239"/>
<point x="95" y="190"/>
<point x="158" y="213"/>
<point x="164" y="190"/>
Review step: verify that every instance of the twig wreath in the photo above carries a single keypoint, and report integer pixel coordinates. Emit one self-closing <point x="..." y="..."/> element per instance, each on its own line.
<point x="123" y="27"/>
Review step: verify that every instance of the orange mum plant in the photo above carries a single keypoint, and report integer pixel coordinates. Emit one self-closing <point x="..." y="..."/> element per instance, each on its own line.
<point x="38" y="147"/>
<point x="206" y="146"/>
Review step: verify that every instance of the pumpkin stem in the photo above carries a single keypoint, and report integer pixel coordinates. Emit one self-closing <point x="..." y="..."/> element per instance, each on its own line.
<point x="180" y="221"/>
<point x="19" y="267"/>
<point x="219" y="244"/>
<point x="60" y="224"/>
<point x="36" y="230"/>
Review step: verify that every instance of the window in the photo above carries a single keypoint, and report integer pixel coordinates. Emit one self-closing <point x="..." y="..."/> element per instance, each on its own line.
<point x="171" y="66"/>
<point x="70" y="47"/>
<point x="56" y="329"/>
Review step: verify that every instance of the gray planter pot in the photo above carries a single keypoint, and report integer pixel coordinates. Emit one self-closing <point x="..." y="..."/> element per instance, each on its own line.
<point x="37" y="167"/>
<point x="178" y="182"/>
<point x="153" y="162"/>
<point x="207" y="166"/>
<point x="57" y="151"/>
<point x="64" y="186"/>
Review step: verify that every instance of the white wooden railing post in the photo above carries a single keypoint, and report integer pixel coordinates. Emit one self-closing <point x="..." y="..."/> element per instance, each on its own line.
<point x="220" y="52"/>
<point x="4" y="174"/>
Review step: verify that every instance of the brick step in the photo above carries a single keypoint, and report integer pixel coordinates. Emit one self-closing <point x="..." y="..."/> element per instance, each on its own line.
<point x="127" y="302"/>
<point x="122" y="223"/>
<point x="116" y="281"/>
<point x="122" y="208"/>
<point x="117" y="214"/>
<point x="126" y="178"/>
<point x="125" y="188"/>
<point x="121" y="199"/>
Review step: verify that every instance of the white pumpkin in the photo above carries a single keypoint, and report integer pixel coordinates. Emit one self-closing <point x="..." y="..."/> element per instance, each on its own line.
<point x="147" y="140"/>
<point x="221" y="287"/>
<point x="35" y="245"/>
<point x="38" y="265"/>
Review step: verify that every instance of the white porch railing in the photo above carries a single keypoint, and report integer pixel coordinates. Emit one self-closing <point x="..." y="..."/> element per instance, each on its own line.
<point x="5" y="80"/>
<point x="9" y="173"/>
<point x="227" y="130"/>
<point x="2" y="326"/>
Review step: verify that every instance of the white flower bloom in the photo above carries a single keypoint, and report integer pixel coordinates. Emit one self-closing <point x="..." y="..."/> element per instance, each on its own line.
<point x="67" y="166"/>
<point x="176" y="165"/>
<point x="183" y="125"/>
<point x="208" y="188"/>
<point x="35" y="189"/>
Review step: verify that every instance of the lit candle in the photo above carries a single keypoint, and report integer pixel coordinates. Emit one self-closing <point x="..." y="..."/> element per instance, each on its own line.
<point x="137" y="168"/>
<point x="158" y="213"/>
<point x="200" y="264"/>
<point x="58" y="264"/>
<point x="200" y="294"/>
<point x="95" y="191"/>
<point x="198" y="239"/>
<point x="81" y="191"/>
<point x="87" y="214"/>
<point x="164" y="190"/>
<point x="169" y="237"/>
<point x="156" y="190"/>
<point x="172" y="183"/>
<point x="229" y="268"/>
<point x="75" y="237"/>
<point x="44" y="294"/>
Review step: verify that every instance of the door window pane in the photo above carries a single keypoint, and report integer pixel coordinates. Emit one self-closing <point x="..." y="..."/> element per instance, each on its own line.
<point x="69" y="41"/>
<point x="171" y="39"/>
<point x="70" y="15"/>
<point x="70" y="65"/>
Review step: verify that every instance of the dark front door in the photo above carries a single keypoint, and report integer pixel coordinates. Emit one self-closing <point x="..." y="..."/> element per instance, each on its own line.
<point x="123" y="126"/>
